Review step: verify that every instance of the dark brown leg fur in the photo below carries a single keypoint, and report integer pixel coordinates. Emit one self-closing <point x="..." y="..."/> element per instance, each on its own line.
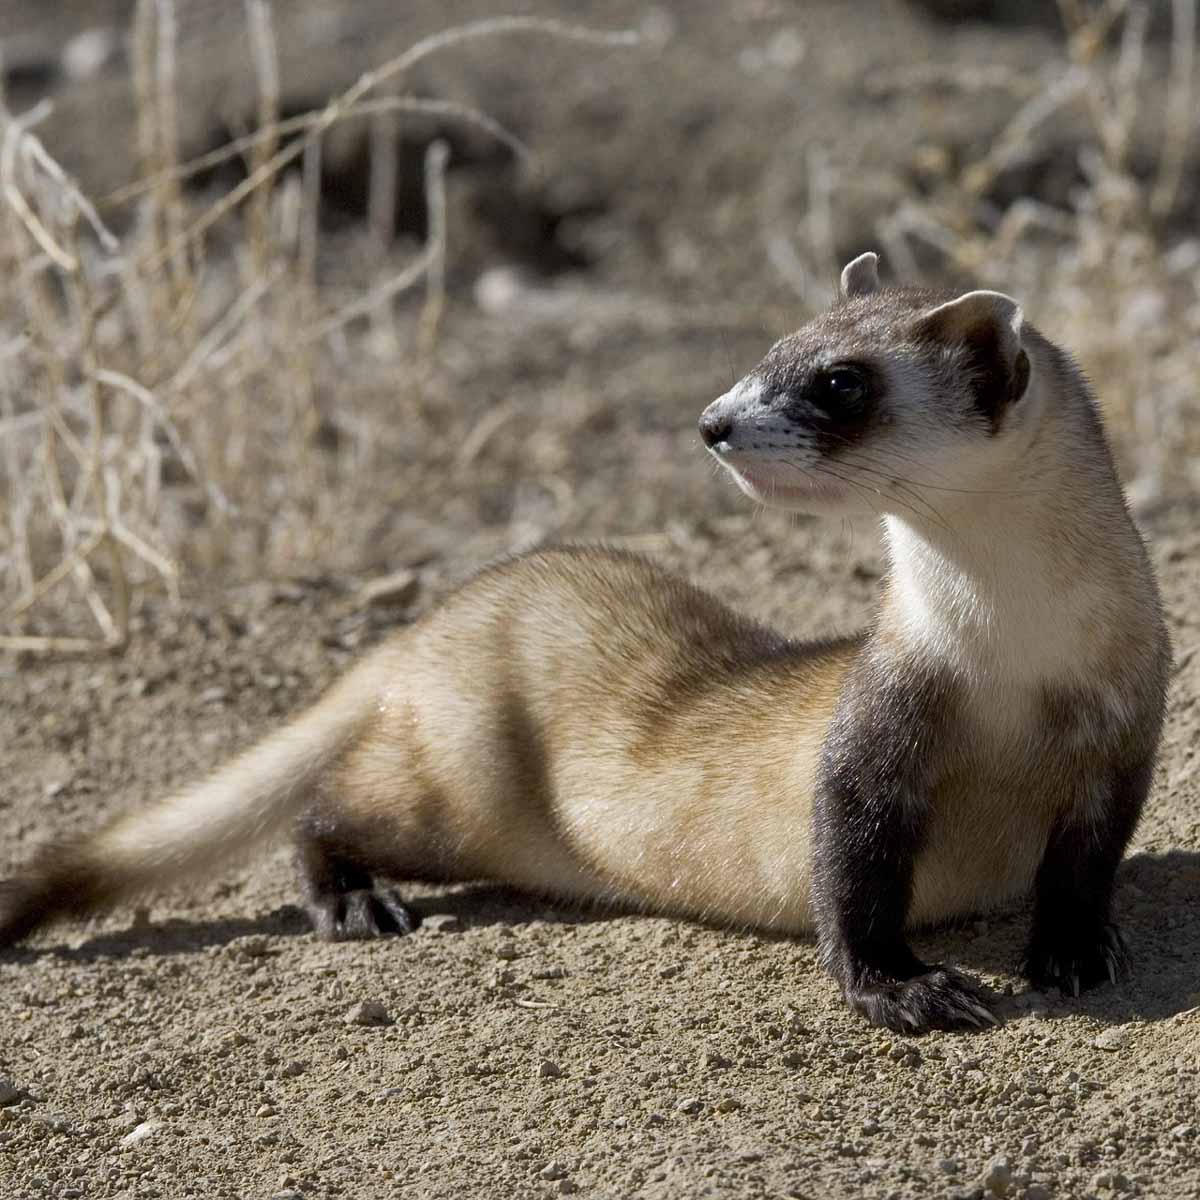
<point x="342" y="898"/>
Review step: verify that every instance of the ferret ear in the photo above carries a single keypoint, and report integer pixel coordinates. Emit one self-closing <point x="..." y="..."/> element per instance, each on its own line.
<point x="861" y="276"/>
<point x="987" y="326"/>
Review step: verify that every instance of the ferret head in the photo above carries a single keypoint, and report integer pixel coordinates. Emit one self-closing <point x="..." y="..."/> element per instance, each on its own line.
<point x="891" y="391"/>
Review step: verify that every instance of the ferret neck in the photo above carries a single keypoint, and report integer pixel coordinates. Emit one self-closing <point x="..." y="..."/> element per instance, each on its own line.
<point x="1012" y="584"/>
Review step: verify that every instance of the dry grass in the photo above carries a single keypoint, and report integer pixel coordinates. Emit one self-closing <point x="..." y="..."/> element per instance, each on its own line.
<point x="1106" y="272"/>
<point x="146" y="359"/>
<point x="157" y="367"/>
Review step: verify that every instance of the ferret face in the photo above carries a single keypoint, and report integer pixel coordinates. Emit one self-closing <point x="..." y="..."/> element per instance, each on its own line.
<point x="888" y="393"/>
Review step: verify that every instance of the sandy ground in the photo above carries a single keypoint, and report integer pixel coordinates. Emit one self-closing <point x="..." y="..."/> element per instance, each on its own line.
<point x="207" y="1045"/>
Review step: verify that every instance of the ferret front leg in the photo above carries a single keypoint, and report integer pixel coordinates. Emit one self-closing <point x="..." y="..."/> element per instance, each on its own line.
<point x="862" y="888"/>
<point x="871" y="812"/>
<point x="1074" y="944"/>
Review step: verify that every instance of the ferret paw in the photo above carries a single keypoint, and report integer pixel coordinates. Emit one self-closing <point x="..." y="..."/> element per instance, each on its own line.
<point x="1076" y="964"/>
<point x="362" y="914"/>
<point x="939" y="998"/>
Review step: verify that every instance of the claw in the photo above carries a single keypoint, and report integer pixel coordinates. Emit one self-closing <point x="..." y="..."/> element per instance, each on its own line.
<point x="363" y="914"/>
<point x="403" y="917"/>
<point x="985" y="1015"/>
<point x="939" y="998"/>
<point x="1082" y="966"/>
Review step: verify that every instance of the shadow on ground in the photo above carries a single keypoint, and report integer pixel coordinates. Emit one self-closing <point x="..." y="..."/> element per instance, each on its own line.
<point x="1157" y="901"/>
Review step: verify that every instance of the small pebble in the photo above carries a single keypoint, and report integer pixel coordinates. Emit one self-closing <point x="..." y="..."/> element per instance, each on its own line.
<point x="254" y="945"/>
<point x="442" y="923"/>
<point x="502" y="977"/>
<point x="998" y="1177"/>
<point x="129" y="1119"/>
<point x="140" y="1133"/>
<point x="713" y="1061"/>
<point x="948" y="1166"/>
<point x="370" y="1013"/>
<point x="728" y="1104"/>
<point x="691" y="1105"/>
<point x="9" y="1094"/>
<point x="1112" y="1039"/>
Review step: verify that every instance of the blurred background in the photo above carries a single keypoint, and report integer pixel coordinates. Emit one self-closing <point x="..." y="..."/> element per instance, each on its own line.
<point x="268" y="315"/>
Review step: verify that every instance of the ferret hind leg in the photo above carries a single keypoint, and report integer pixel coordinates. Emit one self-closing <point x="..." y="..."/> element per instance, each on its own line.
<point x="344" y="900"/>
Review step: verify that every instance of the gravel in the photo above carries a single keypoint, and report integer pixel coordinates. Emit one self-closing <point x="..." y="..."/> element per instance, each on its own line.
<point x="369" y="1013"/>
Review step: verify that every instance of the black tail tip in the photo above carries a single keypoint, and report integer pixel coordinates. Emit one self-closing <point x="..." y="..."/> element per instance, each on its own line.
<point x="60" y="882"/>
<point x="22" y="910"/>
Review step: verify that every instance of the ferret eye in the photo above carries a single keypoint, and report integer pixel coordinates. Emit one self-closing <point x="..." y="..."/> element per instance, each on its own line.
<point x="842" y="389"/>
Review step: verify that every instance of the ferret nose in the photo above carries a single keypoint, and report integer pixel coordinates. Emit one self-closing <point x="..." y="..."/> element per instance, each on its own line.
<point x="715" y="428"/>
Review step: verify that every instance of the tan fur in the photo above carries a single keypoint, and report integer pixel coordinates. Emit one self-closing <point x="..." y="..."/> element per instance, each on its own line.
<point x="582" y="724"/>
<point x="556" y="711"/>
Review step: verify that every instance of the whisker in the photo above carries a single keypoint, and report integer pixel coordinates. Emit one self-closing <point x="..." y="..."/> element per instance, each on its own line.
<point x="903" y="486"/>
<point x="858" y="485"/>
<point x="930" y="513"/>
<point x="908" y="486"/>
<point x="728" y="357"/>
<point x="883" y="460"/>
<point x="820" y="469"/>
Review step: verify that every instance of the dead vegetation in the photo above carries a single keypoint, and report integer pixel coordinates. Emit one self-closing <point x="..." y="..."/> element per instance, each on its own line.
<point x="174" y="399"/>
<point x="130" y="365"/>
<point x="1112" y="264"/>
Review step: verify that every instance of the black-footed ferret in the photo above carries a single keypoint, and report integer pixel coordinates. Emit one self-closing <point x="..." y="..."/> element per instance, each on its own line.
<point x="581" y="724"/>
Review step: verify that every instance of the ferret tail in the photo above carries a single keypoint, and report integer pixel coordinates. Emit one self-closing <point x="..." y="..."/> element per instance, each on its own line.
<point x="196" y="830"/>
